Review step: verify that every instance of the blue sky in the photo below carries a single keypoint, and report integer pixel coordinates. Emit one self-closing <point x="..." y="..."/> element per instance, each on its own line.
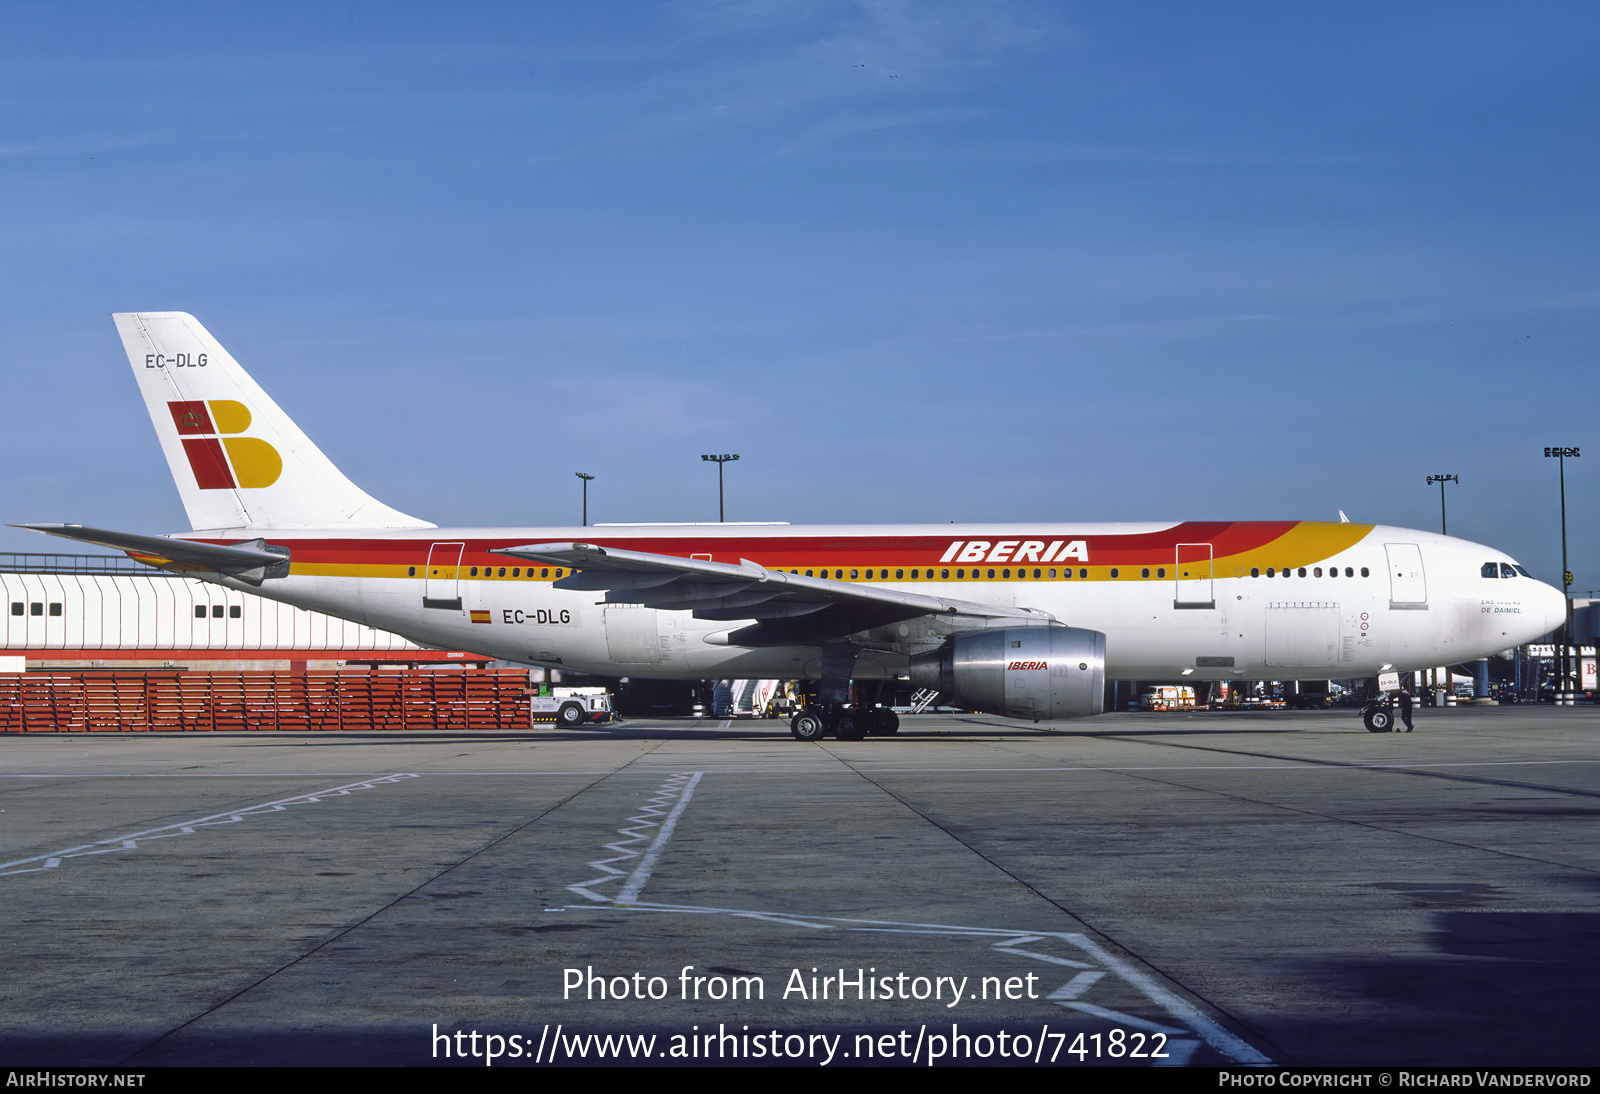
<point x="913" y="261"/>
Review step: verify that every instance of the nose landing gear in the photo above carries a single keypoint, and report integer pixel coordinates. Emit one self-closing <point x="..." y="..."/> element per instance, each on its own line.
<point x="1378" y="717"/>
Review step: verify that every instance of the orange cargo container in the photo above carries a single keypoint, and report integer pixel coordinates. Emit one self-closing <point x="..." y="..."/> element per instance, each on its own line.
<point x="104" y="702"/>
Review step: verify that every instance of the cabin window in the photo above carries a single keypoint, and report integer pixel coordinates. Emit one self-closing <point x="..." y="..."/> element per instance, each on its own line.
<point x="474" y="571"/>
<point x="1269" y="571"/>
<point x="1003" y="573"/>
<point x="216" y="611"/>
<point x="1115" y="572"/>
<point x="1084" y="572"/>
<point x="960" y="574"/>
<point x="502" y="571"/>
<point x="898" y="574"/>
<point x="914" y="574"/>
<point x="558" y="571"/>
<point x="411" y="571"/>
<point x="1053" y="573"/>
<point x="544" y="571"/>
<point x="1302" y="571"/>
<point x="1162" y="572"/>
<point x="945" y="574"/>
<point x="1145" y="572"/>
<point x="35" y="609"/>
<point x="1490" y="569"/>
<point x="516" y="571"/>
<point x="1254" y="572"/>
<point x="199" y="611"/>
<point x="16" y="607"/>
<point x="838" y="575"/>
<point x="235" y="611"/>
<point x="55" y="609"/>
<point x="852" y="575"/>
<point x="1349" y="571"/>
<point x="1036" y="574"/>
<point x="991" y="574"/>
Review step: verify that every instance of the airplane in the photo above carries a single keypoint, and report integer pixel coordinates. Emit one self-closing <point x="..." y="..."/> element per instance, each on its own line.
<point x="1027" y="620"/>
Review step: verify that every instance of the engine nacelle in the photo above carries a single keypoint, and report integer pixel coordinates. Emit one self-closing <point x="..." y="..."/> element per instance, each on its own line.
<point x="1043" y="673"/>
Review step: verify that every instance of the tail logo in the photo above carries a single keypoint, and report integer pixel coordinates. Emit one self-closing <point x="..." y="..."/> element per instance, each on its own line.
<point x="219" y="458"/>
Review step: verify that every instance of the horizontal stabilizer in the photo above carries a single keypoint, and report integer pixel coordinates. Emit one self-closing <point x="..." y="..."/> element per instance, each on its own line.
<point x="252" y="561"/>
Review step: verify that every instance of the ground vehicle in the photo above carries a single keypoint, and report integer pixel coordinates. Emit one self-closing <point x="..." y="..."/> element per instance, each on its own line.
<point x="1167" y="697"/>
<point x="571" y="707"/>
<point x="975" y="612"/>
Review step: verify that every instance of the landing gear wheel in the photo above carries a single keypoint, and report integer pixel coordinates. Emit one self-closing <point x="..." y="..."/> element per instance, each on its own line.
<point x="569" y="715"/>
<point x="884" y="723"/>
<point x="1378" y="719"/>
<point x="808" y="725"/>
<point x="851" y="726"/>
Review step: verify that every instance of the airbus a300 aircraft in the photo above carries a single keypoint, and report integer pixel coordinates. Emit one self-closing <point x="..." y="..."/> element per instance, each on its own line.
<point x="1025" y="620"/>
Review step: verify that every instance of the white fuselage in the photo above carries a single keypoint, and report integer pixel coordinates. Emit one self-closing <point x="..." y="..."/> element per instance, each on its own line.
<point x="1423" y="599"/>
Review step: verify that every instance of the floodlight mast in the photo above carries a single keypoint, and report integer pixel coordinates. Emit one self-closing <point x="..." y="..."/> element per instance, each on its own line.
<point x="1441" y="480"/>
<point x="719" y="461"/>
<point x="587" y="479"/>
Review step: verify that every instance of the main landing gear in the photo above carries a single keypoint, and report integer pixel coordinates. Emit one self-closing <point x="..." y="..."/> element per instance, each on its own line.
<point x="846" y="723"/>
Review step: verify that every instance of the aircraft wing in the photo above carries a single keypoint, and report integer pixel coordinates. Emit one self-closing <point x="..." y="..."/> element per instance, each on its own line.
<point x="252" y="561"/>
<point x="787" y="608"/>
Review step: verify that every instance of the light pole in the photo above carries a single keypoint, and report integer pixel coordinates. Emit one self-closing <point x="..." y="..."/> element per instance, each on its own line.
<point x="1441" y="480"/>
<point x="719" y="461"/>
<point x="586" y="480"/>
<point x="1563" y="696"/>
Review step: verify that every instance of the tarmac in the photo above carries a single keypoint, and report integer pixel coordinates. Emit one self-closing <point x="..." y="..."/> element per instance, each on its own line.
<point x="1135" y="889"/>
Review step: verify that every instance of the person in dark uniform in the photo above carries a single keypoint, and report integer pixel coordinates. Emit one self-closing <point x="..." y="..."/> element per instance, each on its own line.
<point x="1405" y="708"/>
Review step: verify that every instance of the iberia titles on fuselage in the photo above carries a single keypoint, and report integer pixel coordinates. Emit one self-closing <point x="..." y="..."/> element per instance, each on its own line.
<point x="1024" y="619"/>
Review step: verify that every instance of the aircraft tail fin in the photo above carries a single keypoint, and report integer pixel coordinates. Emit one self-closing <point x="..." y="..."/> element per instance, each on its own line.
<point x="238" y="459"/>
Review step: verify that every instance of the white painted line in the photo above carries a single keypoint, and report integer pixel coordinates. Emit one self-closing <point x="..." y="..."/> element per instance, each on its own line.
<point x="1076" y="986"/>
<point x="1219" y="1039"/>
<point x="1213" y="1034"/>
<point x="130" y="842"/>
<point x="636" y="832"/>
<point x="1004" y="947"/>
<point x="641" y="873"/>
<point x="1122" y="1019"/>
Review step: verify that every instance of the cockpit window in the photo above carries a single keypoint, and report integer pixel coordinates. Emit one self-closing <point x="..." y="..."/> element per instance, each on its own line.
<point x="1507" y="570"/>
<point x="1523" y="570"/>
<point x="1491" y="569"/>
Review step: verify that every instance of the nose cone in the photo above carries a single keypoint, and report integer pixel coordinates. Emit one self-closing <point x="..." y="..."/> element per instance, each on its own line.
<point x="1551" y="605"/>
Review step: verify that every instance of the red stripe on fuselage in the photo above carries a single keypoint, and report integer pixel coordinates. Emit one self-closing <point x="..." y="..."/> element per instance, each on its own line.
<point x="1125" y="549"/>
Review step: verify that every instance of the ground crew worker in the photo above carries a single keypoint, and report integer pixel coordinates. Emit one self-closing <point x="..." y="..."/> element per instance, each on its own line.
<point x="1405" y="708"/>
